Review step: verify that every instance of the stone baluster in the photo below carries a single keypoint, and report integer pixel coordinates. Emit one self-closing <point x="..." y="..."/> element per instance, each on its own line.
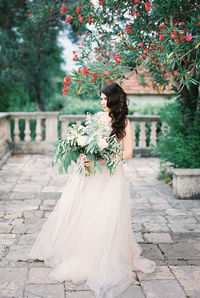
<point x="153" y="135"/>
<point x="4" y="128"/>
<point x="164" y="127"/>
<point x="51" y="128"/>
<point x="38" y="130"/>
<point x="133" y="130"/>
<point x="27" y="130"/>
<point x="142" y="141"/>
<point x="64" y="126"/>
<point x="16" y="130"/>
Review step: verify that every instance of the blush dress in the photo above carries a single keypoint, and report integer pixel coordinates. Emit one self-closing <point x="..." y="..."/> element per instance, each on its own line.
<point x="88" y="238"/>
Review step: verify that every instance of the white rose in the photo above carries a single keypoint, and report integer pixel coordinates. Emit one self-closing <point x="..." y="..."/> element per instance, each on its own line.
<point x="102" y="143"/>
<point x="81" y="140"/>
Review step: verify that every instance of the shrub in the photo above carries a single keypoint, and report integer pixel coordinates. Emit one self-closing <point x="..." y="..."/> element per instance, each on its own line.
<point x="178" y="143"/>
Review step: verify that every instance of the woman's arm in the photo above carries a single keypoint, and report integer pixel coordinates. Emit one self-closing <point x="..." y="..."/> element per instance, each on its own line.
<point x="127" y="141"/>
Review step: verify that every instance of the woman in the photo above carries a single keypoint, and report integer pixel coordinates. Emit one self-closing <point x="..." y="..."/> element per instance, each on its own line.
<point x="88" y="236"/>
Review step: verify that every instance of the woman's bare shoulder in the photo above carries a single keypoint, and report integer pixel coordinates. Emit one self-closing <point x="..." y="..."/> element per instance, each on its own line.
<point x="127" y="121"/>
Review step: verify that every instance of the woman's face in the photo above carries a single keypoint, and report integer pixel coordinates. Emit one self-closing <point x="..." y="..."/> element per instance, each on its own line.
<point x="104" y="102"/>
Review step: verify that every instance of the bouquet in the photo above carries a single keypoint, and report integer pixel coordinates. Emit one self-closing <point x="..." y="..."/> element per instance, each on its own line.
<point x="92" y="140"/>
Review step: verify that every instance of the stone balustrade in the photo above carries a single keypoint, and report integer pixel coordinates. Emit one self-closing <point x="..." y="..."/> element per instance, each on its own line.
<point x="19" y="135"/>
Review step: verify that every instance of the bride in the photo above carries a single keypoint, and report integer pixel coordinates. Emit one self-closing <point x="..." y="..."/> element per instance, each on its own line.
<point x="88" y="236"/>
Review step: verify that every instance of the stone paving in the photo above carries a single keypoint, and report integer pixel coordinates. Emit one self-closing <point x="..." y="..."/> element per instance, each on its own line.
<point x="168" y="230"/>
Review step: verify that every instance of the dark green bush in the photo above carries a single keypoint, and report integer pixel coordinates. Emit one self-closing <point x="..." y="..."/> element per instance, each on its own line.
<point x="179" y="144"/>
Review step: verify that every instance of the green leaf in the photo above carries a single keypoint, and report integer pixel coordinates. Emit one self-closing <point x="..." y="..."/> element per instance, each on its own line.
<point x="98" y="166"/>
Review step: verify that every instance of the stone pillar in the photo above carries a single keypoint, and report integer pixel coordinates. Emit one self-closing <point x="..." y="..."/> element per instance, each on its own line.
<point x="51" y="128"/>
<point x="186" y="183"/>
<point x="142" y="141"/>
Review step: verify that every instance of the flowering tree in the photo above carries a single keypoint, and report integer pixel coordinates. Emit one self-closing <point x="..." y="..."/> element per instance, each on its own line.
<point x="162" y="37"/>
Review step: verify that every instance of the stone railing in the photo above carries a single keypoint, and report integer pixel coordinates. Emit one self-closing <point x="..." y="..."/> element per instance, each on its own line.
<point x="32" y="132"/>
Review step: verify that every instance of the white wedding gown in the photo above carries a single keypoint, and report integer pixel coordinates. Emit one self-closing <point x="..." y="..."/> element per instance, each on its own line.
<point x="88" y="236"/>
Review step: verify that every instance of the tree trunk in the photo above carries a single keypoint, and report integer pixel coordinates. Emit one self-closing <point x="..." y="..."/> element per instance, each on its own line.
<point x="189" y="101"/>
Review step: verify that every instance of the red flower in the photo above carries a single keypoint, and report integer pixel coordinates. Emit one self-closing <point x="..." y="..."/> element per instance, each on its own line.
<point x="51" y="9"/>
<point x="30" y="15"/>
<point x="64" y="93"/>
<point x="128" y="29"/>
<point x="90" y="21"/>
<point x="67" y="80"/>
<point x="175" y="73"/>
<point x="133" y="12"/>
<point x="173" y="35"/>
<point x="101" y="2"/>
<point x="166" y="75"/>
<point x="147" y="6"/>
<point x="137" y="14"/>
<point x="75" y="57"/>
<point x="67" y="20"/>
<point x="161" y="26"/>
<point x="145" y="51"/>
<point x="65" y="89"/>
<point x="78" y="9"/>
<point x="140" y="57"/>
<point x="117" y="58"/>
<point x="152" y="45"/>
<point x="106" y="73"/>
<point x="161" y="37"/>
<point x="94" y="76"/>
<point x="86" y="35"/>
<point x="181" y="32"/>
<point x="79" y="82"/>
<point x="141" y="44"/>
<point x="136" y="1"/>
<point x="81" y="43"/>
<point x="80" y="19"/>
<point x="85" y="71"/>
<point x="188" y="37"/>
<point x="63" y="9"/>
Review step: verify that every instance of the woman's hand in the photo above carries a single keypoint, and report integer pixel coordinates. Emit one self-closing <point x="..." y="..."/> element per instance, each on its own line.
<point x="102" y="161"/>
<point x="87" y="162"/>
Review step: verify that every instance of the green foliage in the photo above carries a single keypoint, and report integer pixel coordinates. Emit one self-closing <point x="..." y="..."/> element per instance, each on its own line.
<point x="179" y="144"/>
<point x="30" y="56"/>
<point x="161" y="37"/>
<point x="149" y="108"/>
<point x="74" y="105"/>
<point x="165" y="175"/>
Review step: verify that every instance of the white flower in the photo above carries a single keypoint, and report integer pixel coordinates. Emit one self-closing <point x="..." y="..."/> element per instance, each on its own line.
<point x="81" y="140"/>
<point x="102" y="143"/>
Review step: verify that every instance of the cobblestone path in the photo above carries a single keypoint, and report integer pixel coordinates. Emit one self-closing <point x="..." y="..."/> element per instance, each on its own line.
<point x="168" y="230"/>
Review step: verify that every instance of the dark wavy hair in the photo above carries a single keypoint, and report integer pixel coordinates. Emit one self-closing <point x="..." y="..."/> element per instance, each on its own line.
<point x="117" y="103"/>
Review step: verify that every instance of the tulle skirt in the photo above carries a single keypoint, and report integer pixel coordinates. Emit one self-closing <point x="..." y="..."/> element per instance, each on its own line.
<point x="88" y="236"/>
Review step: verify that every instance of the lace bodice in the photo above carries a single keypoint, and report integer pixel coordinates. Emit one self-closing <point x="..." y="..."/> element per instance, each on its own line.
<point x="104" y="118"/>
